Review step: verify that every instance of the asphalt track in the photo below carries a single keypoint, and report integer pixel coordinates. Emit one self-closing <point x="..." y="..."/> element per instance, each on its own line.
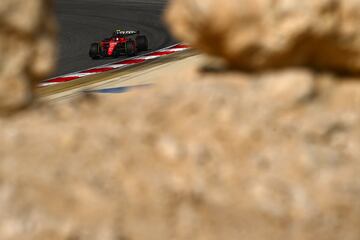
<point x="82" y="22"/>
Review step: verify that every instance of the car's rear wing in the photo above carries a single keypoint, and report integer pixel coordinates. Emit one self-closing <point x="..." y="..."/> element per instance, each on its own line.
<point x="127" y="33"/>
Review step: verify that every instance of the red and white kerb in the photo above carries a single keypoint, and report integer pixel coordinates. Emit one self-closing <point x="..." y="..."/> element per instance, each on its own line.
<point x="116" y="65"/>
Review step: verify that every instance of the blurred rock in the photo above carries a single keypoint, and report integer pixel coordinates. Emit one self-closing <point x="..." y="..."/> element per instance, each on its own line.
<point x="193" y="158"/>
<point x="27" y="46"/>
<point x="267" y="34"/>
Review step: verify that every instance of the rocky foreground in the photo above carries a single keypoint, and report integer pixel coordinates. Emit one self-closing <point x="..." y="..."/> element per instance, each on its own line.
<point x="261" y="34"/>
<point x="210" y="153"/>
<point x="27" y="46"/>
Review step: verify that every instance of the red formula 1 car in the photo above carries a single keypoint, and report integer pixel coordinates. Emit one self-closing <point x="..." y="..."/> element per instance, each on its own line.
<point x="127" y="43"/>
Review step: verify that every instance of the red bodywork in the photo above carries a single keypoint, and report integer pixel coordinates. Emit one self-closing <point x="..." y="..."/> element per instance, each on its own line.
<point x="111" y="44"/>
<point x="127" y="43"/>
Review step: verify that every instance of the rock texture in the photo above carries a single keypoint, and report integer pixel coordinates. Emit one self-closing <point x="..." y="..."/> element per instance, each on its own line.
<point x="264" y="34"/>
<point x="27" y="46"/>
<point x="247" y="157"/>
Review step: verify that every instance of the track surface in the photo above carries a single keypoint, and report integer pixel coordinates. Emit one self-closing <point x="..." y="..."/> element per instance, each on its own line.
<point x="85" y="21"/>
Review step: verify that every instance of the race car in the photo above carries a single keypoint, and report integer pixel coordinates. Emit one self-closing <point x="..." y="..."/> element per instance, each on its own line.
<point x="127" y="43"/>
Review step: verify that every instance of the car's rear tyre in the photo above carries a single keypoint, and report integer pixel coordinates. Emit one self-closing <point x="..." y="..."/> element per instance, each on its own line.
<point x="94" y="51"/>
<point x="130" y="48"/>
<point x="142" y="43"/>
